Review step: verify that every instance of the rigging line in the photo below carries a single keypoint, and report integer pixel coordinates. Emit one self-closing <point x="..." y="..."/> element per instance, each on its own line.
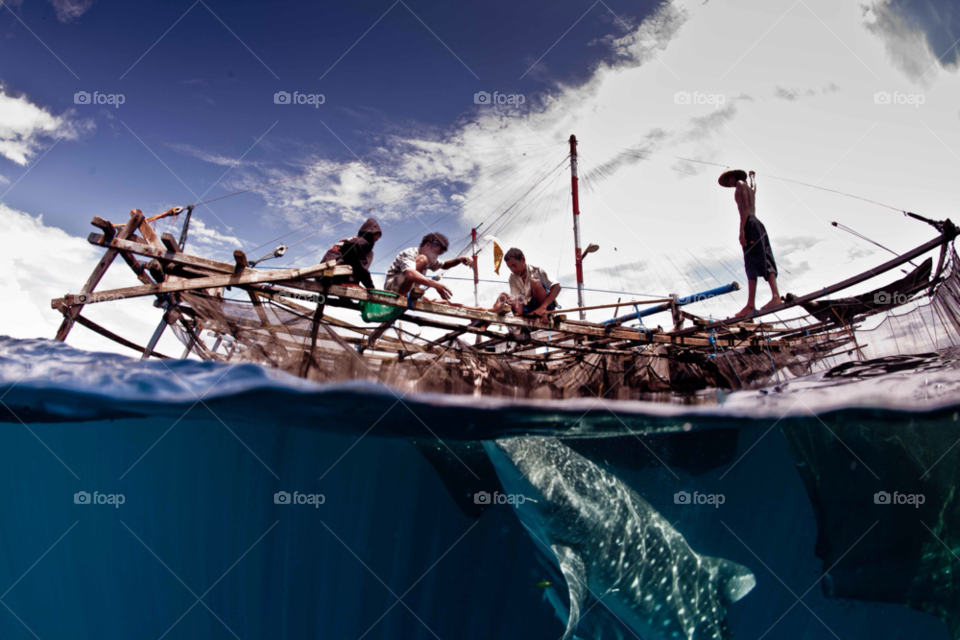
<point x="694" y="256"/>
<point x="505" y="211"/>
<point x="304" y="255"/>
<point x="495" y="231"/>
<point x="551" y="144"/>
<point x="543" y="221"/>
<point x="516" y="214"/>
<point x="563" y="237"/>
<point x="473" y="200"/>
<point x="305" y="238"/>
<point x="539" y="203"/>
<point x="506" y="161"/>
<point x="512" y="210"/>
<point x="843" y="227"/>
<point x="703" y="280"/>
<point x="309" y="224"/>
<point x="767" y="175"/>
<point x="434" y="223"/>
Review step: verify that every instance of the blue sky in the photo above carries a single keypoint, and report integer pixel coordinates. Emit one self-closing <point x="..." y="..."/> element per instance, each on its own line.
<point x="789" y="89"/>
<point x="201" y="86"/>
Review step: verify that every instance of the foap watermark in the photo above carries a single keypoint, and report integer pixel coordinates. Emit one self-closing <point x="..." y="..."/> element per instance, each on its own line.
<point x="312" y="99"/>
<point x="510" y="99"/>
<point x="114" y="499"/>
<point x="909" y="99"/>
<point x="114" y="99"/>
<point x="512" y="499"/>
<point x="684" y="497"/>
<point x="912" y="499"/>
<point x="319" y="298"/>
<point x="93" y="296"/>
<point x="312" y="499"/>
<point x="712" y="99"/>
<point x="884" y="297"/>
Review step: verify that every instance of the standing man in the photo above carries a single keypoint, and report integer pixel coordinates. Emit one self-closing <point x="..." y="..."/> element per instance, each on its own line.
<point x="758" y="258"/>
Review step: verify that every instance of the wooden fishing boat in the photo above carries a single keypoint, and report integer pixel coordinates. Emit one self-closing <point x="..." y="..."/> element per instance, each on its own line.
<point x="284" y="322"/>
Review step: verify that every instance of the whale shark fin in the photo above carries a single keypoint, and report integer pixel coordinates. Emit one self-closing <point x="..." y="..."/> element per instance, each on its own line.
<point x="575" y="573"/>
<point x="733" y="580"/>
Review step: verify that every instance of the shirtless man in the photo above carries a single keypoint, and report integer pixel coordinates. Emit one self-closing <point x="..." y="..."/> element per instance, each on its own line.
<point x="757" y="255"/>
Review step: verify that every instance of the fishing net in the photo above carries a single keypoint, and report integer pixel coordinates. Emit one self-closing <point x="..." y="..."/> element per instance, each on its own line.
<point x="276" y="327"/>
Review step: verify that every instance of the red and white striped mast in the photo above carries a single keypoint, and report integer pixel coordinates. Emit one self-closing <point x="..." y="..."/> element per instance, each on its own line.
<point x="576" y="223"/>
<point x="476" y="275"/>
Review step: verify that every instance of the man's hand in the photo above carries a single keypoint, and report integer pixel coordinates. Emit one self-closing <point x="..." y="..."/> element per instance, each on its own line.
<point x="442" y="289"/>
<point x="743" y="239"/>
<point x="465" y="261"/>
<point x="540" y="312"/>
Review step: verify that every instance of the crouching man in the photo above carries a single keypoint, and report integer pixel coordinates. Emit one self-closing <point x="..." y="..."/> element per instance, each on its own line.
<point x="532" y="294"/>
<point x="410" y="266"/>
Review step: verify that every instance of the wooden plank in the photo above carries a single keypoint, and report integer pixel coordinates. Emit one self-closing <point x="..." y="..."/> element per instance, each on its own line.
<point x="106" y="333"/>
<point x="258" y="306"/>
<point x="149" y="234"/>
<point x="571" y="327"/>
<point x="108" y="229"/>
<point x="170" y="243"/>
<point x="163" y="256"/>
<point x="251" y="276"/>
<point x="309" y="356"/>
<point x="241" y="261"/>
<point x="947" y="236"/>
<point x="379" y="331"/>
<point x="71" y="314"/>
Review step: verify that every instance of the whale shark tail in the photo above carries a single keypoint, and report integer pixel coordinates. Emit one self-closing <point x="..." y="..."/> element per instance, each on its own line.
<point x="575" y="573"/>
<point x="733" y="580"/>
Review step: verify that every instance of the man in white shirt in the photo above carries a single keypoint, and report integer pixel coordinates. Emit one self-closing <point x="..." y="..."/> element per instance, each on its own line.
<point x="410" y="266"/>
<point x="532" y="293"/>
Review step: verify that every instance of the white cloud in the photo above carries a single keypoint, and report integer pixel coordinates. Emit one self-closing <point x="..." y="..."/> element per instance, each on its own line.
<point x="68" y="10"/>
<point x="209" y="238"/>
<point x="25" y="128"/>
<point x="39" y="263"/>
<point x="919" y="35"/>
<point x="206" y="156"/>
<point x="906" y="43"/>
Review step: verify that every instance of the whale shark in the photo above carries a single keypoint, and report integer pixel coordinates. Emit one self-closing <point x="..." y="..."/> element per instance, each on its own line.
<point x="614" y="550"/>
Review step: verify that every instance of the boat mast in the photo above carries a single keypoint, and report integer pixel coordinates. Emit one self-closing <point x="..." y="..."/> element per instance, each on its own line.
<point x="476" y="277"/>
<point x="576" y="223"/>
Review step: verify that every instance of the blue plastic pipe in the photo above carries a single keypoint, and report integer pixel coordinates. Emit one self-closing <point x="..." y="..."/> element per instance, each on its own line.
<point x="696" y="297"/>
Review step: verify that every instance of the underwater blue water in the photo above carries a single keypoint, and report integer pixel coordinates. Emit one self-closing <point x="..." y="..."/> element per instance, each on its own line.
<point x="200" y="548"/>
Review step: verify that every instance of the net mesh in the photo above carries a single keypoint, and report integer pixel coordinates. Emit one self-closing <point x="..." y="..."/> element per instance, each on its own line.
<point x="276" y="329"/>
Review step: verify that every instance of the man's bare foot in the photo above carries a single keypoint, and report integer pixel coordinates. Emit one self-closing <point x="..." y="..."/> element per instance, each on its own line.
<point x="746" y="311"/>
<point x="773" y="302"/>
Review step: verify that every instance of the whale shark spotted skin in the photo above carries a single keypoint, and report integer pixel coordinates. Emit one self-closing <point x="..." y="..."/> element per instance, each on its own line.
<point x="611" y="545"/>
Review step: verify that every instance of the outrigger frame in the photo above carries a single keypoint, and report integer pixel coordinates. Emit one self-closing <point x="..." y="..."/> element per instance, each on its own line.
<point x="166" y="273"/>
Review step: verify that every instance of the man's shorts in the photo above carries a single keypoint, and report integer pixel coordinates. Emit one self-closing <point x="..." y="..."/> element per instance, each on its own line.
<point x="395" y="283"/>
<point x="531" y="306"/>
<point x="758" y="260"/>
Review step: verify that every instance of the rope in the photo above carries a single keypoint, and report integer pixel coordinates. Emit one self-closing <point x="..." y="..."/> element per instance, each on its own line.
<point x="727" y="166"/>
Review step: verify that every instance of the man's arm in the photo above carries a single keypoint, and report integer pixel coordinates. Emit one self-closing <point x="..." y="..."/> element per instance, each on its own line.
<point x="551" y="296"/>
<point x="353" y="255"/>
<point x="452" y="262"/>
<point x="418" y="278"/>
